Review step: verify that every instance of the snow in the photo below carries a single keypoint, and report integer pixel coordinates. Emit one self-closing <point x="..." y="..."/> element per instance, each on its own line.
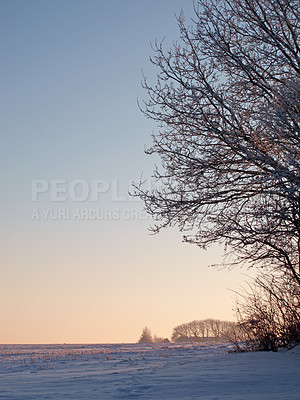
<point x="154" y="371"/>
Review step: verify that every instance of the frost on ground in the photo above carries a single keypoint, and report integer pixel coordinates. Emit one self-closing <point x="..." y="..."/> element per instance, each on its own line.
<point x="157" y="371"/>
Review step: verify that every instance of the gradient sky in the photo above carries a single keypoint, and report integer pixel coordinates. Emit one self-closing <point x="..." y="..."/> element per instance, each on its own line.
<point x="70" y="79"/>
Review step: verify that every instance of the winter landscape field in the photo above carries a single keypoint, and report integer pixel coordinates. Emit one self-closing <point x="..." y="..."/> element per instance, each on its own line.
<point x="151" y="371"/>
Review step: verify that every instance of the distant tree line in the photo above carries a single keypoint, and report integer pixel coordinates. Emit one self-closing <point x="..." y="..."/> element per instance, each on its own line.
<point x="200" y="330"/>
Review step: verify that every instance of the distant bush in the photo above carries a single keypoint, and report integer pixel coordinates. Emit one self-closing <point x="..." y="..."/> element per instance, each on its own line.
<point x="157" y="339"/>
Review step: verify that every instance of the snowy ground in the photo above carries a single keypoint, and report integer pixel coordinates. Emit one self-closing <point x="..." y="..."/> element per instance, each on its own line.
<point x="164" y="371"/>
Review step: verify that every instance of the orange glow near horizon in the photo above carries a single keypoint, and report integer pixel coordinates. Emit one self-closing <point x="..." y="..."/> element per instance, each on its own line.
<point x="105" y="295"/>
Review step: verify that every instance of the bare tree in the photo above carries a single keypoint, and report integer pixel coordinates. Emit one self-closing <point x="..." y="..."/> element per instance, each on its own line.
<point x="181" y="331"/>
<point x="227" y="101"/>
<point x="146" y="336"/>
<point x="215" y="327"/>
<point x="194" y="329"/>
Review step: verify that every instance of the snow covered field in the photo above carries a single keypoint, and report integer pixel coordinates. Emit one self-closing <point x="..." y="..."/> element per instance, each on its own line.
<point x="135" y="371"/>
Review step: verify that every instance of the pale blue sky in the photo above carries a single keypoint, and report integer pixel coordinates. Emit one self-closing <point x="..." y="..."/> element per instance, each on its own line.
<point x="70" y="79"/>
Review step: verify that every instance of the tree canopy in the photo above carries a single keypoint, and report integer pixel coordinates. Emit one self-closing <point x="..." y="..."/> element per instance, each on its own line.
<point x="227" y="104"/>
